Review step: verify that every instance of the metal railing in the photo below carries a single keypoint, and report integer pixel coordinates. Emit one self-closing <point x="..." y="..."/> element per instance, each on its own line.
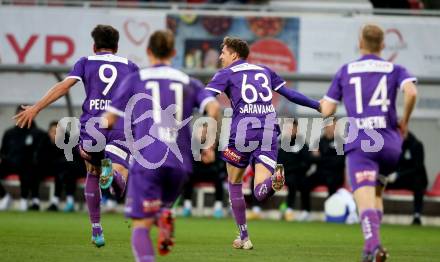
<point x="198" y="73"/>
<point x="206" y="75"/>
<point x="231" y="9"/>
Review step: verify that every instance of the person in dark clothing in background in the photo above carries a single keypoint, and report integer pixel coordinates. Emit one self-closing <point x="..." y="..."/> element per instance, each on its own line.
<point x="65" y="172"/>
<point x="330" y="167"/>
<point x="399" y="4"/>
<point x="296" y="163"/>
<point x="22" y="153"/>
<point x="214" y="172"/>
<point x="411" y="173"/>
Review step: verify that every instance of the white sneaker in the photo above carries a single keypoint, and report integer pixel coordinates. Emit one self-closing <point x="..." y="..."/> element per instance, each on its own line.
<point x="304" y="216"/>
<point x="245" y="244"/>
<point x="5" y="202"/>
<point x="23" y="205"/>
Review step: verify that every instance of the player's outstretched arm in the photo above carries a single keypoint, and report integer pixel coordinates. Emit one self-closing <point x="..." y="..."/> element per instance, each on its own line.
<point x="328" y="108"/>
<point x="212" y="109"/>
<point x="298" y="98"/>
<point x="409" y="102"/>
<point x="24" y="118"/>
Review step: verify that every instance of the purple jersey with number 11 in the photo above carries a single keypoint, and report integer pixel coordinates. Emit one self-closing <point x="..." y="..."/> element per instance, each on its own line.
<point x="162" y="98"/>
<point x="160" y="101"/>
<point x="368" y="88"/>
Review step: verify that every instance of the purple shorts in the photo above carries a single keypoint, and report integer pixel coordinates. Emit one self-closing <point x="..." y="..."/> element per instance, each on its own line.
<point x="364" y="167"/>
<point x="151" y="189"/>
<point x="114" y="150"/>
<point x="264" y="154"/>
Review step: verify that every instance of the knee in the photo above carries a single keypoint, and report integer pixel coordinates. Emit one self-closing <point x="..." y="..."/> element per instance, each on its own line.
<point x="120" y="169"/>
<point x="142" y="223"/>
<point x="95" y="171"/>
<point x="234" y="179"/>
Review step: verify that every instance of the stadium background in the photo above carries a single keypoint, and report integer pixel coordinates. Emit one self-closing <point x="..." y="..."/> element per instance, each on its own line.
<point x="302" y="39"/>
<point x="306" y="37"/>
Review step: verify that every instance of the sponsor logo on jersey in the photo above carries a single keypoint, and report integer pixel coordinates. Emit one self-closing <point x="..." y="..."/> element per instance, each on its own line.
<point x="366" y="175"/>
<point x="231" y="155"/>
<point x="151" y="205"/>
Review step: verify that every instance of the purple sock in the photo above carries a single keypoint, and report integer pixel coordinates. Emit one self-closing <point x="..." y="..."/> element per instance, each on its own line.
<point x="370" y="228"/>
<point x="141" y="245"/>
<point x="119" y="182"/>
<point x="238" y="206"/>
<point x="96" y="229"/>
<point x="264" y="190"/>
<point x="379" y="214"/>
<point x="92" y="194"/>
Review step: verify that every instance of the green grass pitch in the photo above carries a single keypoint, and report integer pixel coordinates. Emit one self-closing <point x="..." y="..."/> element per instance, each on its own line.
<point x="66" y="237"/>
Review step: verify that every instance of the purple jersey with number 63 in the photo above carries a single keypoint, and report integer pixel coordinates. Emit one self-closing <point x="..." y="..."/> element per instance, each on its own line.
<point x="368" y="88"/>
<point x="160" y="101"/>
<point x="101" y="74"/>
<point x="249" y="87"/>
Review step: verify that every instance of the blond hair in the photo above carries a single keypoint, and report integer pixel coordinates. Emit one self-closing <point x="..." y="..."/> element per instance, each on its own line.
<point x="372" y="36"/>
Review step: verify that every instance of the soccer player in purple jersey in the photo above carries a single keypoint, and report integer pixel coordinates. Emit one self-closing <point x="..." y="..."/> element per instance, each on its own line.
<point x="368" y="88"/>
<point x="160" y="101"/>
<point x="101" y="74"/>
<point x="249" y="87"/>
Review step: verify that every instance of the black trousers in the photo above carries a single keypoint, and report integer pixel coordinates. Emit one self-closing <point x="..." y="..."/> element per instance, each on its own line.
<point x="417" y="184"/>
<point x="2" y="189"/>
<point x="333" y="181"/>
<point x="29" y="178"/>
<point x="65" y="174"/>
<point x="296" y="183"/>
<point x="195" y="178"/>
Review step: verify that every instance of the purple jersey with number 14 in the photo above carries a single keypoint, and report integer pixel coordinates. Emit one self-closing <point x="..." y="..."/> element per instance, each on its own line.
<point x="368" y="88"/>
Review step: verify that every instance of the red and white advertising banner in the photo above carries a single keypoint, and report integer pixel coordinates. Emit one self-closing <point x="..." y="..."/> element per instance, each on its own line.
<point x="327" y="42"/>
<point x="60" y="36"/>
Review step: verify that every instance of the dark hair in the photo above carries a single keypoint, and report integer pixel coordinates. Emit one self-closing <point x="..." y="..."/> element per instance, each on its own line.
<point x="161" y="43"/>
<point x="53" y="123"/>
<point x="295" y="122"/>
<point x="19" y="109"/>
<point x="105" y="36"/>
<point x="236" y="45"/>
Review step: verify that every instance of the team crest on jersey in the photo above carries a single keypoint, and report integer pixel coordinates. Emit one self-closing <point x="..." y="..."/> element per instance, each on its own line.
<point x="231" y="155"/>
<point x="263" y="190"/>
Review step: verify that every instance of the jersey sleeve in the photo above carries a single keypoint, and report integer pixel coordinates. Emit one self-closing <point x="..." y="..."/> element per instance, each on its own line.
<point x="334" y="93"/>
<point x="133" y="67"/>
<point x="123" y="94"/>
<point x="403" y="76"/>
<point x="77" y="71"/>
<point x="219" y="82"/>
<point x="203" y="97"/>
<point x="276" y="81"/>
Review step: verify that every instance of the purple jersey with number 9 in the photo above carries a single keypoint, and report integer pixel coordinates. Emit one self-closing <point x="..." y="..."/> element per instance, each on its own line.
<point x="101" y="74"/>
